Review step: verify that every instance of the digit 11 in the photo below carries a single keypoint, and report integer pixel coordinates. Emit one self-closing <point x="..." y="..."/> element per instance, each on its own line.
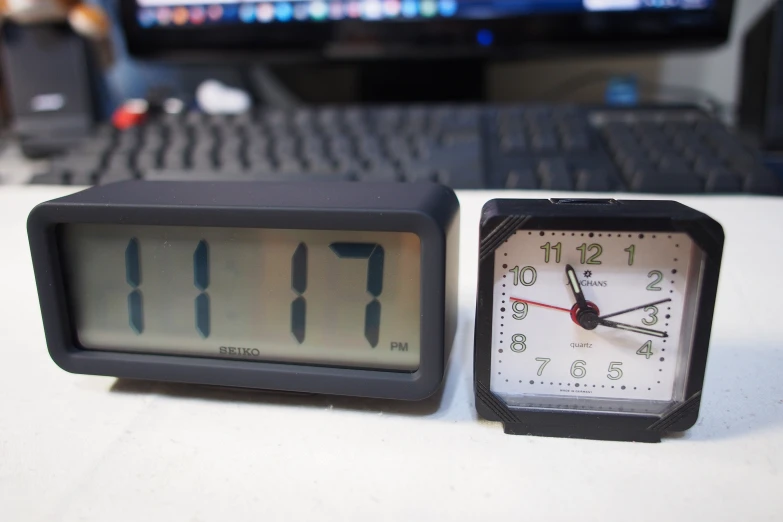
<point x="133" y="277"/>
<point x="375" y="254"/>
<point x="299" y="285"/>
<point x="201" y="281"/>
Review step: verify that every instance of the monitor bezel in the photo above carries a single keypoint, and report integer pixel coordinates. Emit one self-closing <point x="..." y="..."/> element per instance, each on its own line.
<point x="356" y="40"/>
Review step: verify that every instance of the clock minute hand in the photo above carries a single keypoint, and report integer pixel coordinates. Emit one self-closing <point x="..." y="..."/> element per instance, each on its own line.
<point x="631" y="328"/>
<point x="621" y="312"/>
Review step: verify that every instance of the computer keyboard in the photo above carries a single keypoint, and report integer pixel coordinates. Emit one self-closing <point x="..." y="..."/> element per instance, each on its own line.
<point x="657" y="150"/>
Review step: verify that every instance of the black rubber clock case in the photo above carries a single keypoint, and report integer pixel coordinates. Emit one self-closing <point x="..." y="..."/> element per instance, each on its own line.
<point x="335" y="288"/>
<point x="593" y="317"/>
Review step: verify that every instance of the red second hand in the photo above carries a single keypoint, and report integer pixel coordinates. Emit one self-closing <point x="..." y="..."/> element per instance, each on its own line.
<point x="540" y="304"/>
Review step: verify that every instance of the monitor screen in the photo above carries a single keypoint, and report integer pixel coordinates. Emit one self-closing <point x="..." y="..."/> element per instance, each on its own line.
<point x="397" y="27"/>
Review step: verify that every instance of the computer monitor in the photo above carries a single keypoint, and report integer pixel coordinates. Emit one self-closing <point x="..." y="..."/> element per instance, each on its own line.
<point x="356" y="30"/>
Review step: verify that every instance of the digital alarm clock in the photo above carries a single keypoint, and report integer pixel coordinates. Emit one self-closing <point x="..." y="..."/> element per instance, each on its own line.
<point x="335" y="288"/>
<point x="594" y="316"/>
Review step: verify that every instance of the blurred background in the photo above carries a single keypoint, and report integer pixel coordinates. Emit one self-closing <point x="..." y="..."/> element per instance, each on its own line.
<point x="662" y="96"/>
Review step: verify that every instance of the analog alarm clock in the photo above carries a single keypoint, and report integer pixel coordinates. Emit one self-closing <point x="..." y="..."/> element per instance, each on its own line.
<point x="337" y="288"/>
<point x="593" y="316"/>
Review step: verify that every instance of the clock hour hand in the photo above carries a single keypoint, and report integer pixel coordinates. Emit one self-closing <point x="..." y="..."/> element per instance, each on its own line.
<point x="631" y="328"/>
<point x="576" y="288"/>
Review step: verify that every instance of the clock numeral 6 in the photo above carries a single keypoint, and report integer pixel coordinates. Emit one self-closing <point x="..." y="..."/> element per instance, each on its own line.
<point x="526" y="276"/>
<point x="520" y="310"/>
<point x="578" y="369"/>
<point x="615" y="372"/>
<point x="518" y="343"/>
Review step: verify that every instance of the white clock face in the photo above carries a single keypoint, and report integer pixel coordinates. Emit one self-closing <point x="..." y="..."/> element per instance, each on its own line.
<point x="642" y="286"/>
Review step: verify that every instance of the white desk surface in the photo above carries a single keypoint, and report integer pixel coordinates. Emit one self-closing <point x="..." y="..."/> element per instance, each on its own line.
<point x="76" y="447"/>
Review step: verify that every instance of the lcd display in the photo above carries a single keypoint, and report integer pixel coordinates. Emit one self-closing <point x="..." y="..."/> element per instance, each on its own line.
<point x="335" y="298"/>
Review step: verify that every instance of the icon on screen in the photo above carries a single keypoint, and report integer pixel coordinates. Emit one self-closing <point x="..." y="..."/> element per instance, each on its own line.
<point x="391" y="8"/>
<point x="230" y="12"/>
<point x="181" y="15"/>
<point x="215" y="12"/>
<point x="428" y="8"/>
<point x="353" y="9"/>
<point x="164" y="15"/>
<point x="265" y="13"/>
<point x="301" y="11"/>
<point x="373" y="10"/>
<point x="410" y="8"/>
<point x="247" y="13"/>
<point x="283" y="11"/>
<point x="447" y="7"/>
<point x="336" y="10"/>
<point x="197" y="15"/>
<point x="319" y="10"/>
<point x="147" y="17"/>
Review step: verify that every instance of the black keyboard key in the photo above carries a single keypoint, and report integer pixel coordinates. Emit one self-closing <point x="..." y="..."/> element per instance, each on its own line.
<point x="111" y="176"/>
<point x="662" y="183"/>
<point x="513" y="143"/>
<point x="146" y="160"/>
<point x="722" y="180"/>
<point x="120" y="160"/>
<point x="554" y="175"/>
<point x="521" y="178"/>
<point x="594" y="181"/>
<point x="672" y="164"/>
<point x="761" y="181"/>
<point x="380" y="173"/>
<point x="82" y="177"/>
<point x="544" y="142"/>
<point x="173" y="159"/>
<point x="49" y="178"/>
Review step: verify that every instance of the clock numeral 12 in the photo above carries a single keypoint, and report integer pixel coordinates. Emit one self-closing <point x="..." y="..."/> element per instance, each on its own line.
<point x="592" y="260"/>
<point x="548" y="249"/>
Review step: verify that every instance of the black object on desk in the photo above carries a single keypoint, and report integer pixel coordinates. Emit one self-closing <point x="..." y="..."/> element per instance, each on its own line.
<point x="594" y="316"/>
<point x="656" y="150"/>
<point x="53" y="94"/>
<point x="347" y="289"/>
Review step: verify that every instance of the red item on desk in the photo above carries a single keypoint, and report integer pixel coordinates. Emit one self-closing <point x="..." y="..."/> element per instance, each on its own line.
<point x="130" y="114"/>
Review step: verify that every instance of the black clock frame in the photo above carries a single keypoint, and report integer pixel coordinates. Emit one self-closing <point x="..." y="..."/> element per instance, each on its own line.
<point x="428" y="210"/>
<point x="502" y="218"/>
